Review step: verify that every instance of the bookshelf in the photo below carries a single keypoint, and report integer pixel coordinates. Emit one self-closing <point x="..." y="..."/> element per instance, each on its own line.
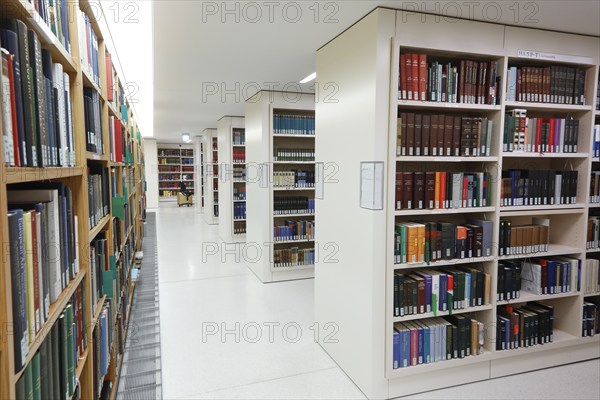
<point x="276" y="146"/>
<point x="232" y="190"/>
<point x="105" y="185"/>
<point x="175" y="165"/>
<point x="199" y="172"/>
<point x="355" y="288"/>
<point x="211" y="175"/>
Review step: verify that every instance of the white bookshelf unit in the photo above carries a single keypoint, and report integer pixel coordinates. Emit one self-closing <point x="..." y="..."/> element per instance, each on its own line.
<point x="354" y="289"/>
<point x="175" y="165"/>
<point x="272" y="139"/>
<point x="211" y="176"/>
<point x="232" y="192"/>
<point x="199" y="173"/>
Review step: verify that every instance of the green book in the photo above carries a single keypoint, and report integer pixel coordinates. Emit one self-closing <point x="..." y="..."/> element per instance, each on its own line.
<point x="36" y="377"/>
<point x="62" y="350"/>
<point x="28" y="382"/>
<point x="20" y="388"/>
<point x="55" y="359"/>
<point x="69" y="352"/>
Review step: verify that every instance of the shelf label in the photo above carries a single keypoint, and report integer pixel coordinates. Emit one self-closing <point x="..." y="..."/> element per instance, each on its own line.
<point x="538" y="55"/>
<point x="371" y="185"/>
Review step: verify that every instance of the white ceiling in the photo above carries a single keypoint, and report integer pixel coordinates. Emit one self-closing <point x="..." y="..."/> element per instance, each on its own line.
<point x="200" y="49"/>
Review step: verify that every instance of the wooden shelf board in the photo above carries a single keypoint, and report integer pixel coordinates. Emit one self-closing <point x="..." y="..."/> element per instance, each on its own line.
<point x="96" y="157"/>
<point x="446" y="106"/>
<point x="593" y="250"/>
<point x="56" y="309"/>
<point x="89" y="82"/>
<point x="402" y="213"/>
<point x="113" y="111"/>
<point x="81" y="362"/>
<point x="526" y="296"/>
<point x="443" y="263"/>
<point x="594" y="205"/>
<point x="591" y="294"/>
<point x="546" y="106"/>
<point x="441" y="365"/>
<point x="542" y="210"/>
<point x="413" y="317"/>
<point x="553" y="250"/>
<point x="524" y="154"/>
<point x="98" y="310"/>
<point x="26" y="174"/>
<point x="445" y="159"/>
<point x="99" y="227"/>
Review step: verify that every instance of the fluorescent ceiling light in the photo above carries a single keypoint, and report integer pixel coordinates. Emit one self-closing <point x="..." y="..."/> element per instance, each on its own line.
<point x="309" y="78"/>
<point x="186" y="137"/>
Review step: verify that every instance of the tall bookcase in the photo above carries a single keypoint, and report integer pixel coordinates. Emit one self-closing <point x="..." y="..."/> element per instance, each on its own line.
<point x="199" y="172"/>
<point x="175" y="165"/>
<point x="279" y="140"/>
<point x="118" y="153"/>
<point x="232" y="191"/>
<point x="358" y="133"/>
<point x="210" y="166"/>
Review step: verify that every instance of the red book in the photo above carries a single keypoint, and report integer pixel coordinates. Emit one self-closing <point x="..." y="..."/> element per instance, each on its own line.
<point x="415" y="76"/>
<point x="414" y="346"/>
<point x="402" y="77"/>
<point x="430" y="190"/>
<point x="461" y="81"/>
<point x="118" y="141"/>
<point x="409" y="76"/>
<point x="399" y="190"/>
<point x="11" y="79"/>
<point x="551" y="135"/>
<point x="450" y="291"/>
<point x="465" y="191"/>
<point x="519" y="90"/>
<point x="443" y="190"/>
<point x="423" y="76"/>
<point x="538" y="135"/>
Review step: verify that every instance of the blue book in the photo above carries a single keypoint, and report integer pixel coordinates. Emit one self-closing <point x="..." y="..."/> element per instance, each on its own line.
<point x="421" y="346"/>
<point x="397" y="348"/>
<point x="426" y="344"/>
<point x="443" y="292"/>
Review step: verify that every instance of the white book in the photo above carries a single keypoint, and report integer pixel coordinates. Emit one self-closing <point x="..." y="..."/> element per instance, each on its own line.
<point x="58" y="82"/>
<point x="69" y="148"/>
<point x="40" y="266"/>
<point x="531" y="278"/>
<point x="557" y="189"/>
<point x="457" y="200"/>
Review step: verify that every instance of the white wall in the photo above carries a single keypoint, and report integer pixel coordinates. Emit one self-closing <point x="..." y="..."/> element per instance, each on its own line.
<point x="151" y="156"/>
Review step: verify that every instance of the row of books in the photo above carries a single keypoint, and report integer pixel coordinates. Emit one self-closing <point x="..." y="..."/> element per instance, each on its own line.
<point x="539" y="135"/>
<point x="293" y="205"/>
<point x="239" y="173"/>
<point x="538" y="187"/>
<point x="117" y="140"/>
<point x="99" y="262"/>
<point x="553" y="84"/>
<point x="524" y="239"/>
<point x="239" y="193"/>
<point x="187" y="153"/>
<point x="169" y="177"/>
<point x="550" y="275"/>
<point x="441" y="190"/>
<point x="51" y="373"/>
<point x="294" y="230"/>
<point x="36" y="101"/>
<point x="286" y="154"/>
<point x="293" y="179"/>
<point x="419" y="242"/>
<point x="43" y="257"/>
<point x="293" y="257"/>
<point x="239" y="155"/>
<point x="591" y="280"/>
<point x="456" y="81"/>
<point x="596" y="143"/>
<point x="593" y="233"/>
<point x="437" y="339"/>
<point x="93" y="121"/>
<point x="187" y="161"/>
<point x="98" y="194"/>
<point x="239" y="227"/>
<point x="170" y="161"/>
<point x="290" y="124"/>
<point x="239" y="210"/>
<point x="528" y="325"/>
<point x="591" y="318"/>
<point x="508" y="286"/>
<point x="176" y="153"/>
<point x="56" y="15"/>
<point x="443" y="135"/>
<point x="88" y="47"/>
<point x="443" y="290"/>
<point x="239" y="137"/>
<point x="103" y="339"/>
<point x="168" y="168"/>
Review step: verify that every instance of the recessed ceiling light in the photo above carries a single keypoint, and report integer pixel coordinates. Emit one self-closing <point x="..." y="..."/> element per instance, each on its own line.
<point x="309" y="78"/>
<point x="186" y="137"/>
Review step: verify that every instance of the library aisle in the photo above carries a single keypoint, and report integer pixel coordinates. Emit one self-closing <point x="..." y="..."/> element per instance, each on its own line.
<point x="202" y="358"/>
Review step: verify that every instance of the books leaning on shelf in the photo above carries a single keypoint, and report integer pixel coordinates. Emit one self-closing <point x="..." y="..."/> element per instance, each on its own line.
<point x="539" y="135"/>
<point x="532" y="187"/>
<point x="293" y="205"/>
<point x="239" y="193"/>
<point x="527" y="325"/>
<point x="423" y="292"/>
<point x="239" y="227"/>
<point x="443" y="135"/>
<point x="593" y="233"/>
<point x="239" y="211"/>
<point x="433" y="340"/>
<point x="239" y="155"/>
<point x="441" y="190"/>
<point x="295" y="179"/>
<point x="52" y="370"/>
<point x="294" y="154"/>
<point x="293" y="124"/>
<point x="88" y="47"/>
<point x="591" y="318"/>
<point x="93" y="121"/>
<point x="239" y="137"/>
<point x="98" y="195"/>
<point x="99" y="262"/>
<point x="294" y="230"/>
<point x="554" y="84"/>
<point x="524" y="239"/>
<point x="448" y="81"/>
<point x="293" y="257"/>
<point x="425" y="242"/>
<point x="538" y="276"/>
<point x="36" y="101"/>
<point x="591" y="280"/>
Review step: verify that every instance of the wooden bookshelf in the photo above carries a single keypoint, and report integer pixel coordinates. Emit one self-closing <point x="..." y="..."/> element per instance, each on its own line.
<point x="76" y="178"/>
<point x="175" y="165"/>
<point x="231" y="143"/>
<point x="263" y="140"/>
<point x="356" y="288"/>
<point x="211" y="168"/>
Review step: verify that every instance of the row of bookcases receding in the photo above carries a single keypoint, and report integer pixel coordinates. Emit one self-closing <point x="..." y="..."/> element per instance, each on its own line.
<point x="69" y="318"/>
<point x="176" y="165"/>
<point x="210" y="173"/>
<point x="500" y="142"/>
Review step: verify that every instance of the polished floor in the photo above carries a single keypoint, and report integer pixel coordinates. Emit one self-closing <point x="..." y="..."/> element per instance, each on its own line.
<point x="222" y="333"/>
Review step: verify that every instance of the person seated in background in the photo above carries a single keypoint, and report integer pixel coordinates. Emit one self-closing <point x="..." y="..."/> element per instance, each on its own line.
<point x="183" y="190"/>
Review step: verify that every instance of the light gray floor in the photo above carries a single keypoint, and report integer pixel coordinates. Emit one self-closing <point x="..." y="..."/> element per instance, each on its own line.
<point x="199" y="297"/>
